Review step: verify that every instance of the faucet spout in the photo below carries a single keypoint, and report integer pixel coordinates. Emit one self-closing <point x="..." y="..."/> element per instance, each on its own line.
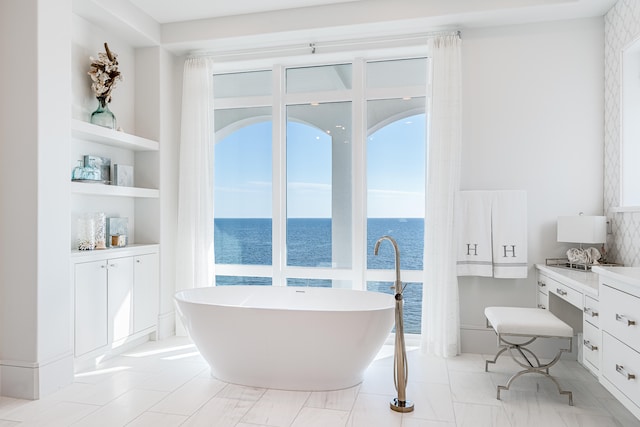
<point x="396" y="250"/>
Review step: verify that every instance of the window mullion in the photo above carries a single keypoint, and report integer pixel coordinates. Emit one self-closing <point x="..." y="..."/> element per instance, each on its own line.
<point x="279" y="212"/>
<point x="359" y="229"/>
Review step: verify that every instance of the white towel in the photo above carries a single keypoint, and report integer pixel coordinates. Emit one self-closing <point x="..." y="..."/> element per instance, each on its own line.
<point x="473" y="228"/>
<point x="509" y="234"/>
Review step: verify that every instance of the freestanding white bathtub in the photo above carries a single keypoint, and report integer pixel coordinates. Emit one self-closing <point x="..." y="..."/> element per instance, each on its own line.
<point x="287" y="338"/>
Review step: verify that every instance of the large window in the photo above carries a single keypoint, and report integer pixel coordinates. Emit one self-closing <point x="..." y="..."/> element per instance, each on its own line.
<point x="313" y="165"/>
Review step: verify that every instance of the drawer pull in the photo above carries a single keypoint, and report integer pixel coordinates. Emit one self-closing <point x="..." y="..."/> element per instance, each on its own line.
<point x="541" y="284"/>
<point x="561" y="292"/>
<point x="620" y="369"/>
<point x="590" y="311"/>
<point x="590" y="346"/>
<point x="622" y="318"/>
<point x="542" y="306"/>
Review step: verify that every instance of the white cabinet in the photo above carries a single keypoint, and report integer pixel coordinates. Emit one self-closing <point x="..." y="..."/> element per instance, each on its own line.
<point x="620" y="322"/>
<point x="543" y="292"/>
<point x="145" y="291"/>
<point x="116" y="297"/>
<point x="90" y="306"/>
<point x="120" y="301"/>
<point x="573" y="296"/>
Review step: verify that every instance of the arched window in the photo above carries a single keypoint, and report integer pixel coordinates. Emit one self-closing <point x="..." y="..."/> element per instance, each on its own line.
<point x="309" y="174"/>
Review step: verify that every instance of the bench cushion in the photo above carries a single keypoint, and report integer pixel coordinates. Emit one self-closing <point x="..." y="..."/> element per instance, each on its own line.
<point x="526" y="321"/>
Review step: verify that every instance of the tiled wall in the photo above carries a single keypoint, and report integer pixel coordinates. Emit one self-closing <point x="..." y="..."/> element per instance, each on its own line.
<point x="622" y="26"/>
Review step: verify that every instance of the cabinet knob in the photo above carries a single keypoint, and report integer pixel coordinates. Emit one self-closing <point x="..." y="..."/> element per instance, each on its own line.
<point x="590" y="346"/>
<point x="541" y="284"/>
<point x="624" y="319"/>
<point x="561" y="292"/>
<point x="113" y="265"/>
<point x="542" y="306"/>
<point x="138" y="261"/>
<point x="590" y="311"/>
<point x="620" y="369"/>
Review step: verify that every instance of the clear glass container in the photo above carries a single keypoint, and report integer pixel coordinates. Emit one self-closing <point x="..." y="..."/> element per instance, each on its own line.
<point x="78" y="171"/>
<point x="100" y="230"/>
<point x="86" y="232"/>
<point x="103" y="116"/>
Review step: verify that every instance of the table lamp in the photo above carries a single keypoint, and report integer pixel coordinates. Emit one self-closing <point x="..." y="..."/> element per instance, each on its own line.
<point x="583" y="229"/>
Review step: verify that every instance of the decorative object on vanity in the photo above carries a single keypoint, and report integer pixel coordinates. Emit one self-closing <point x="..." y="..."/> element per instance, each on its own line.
<point x="104" y="76"/>
<point x="581" y="229"/>
<point x="122" y="175"/>
<point x="117" y="231"/>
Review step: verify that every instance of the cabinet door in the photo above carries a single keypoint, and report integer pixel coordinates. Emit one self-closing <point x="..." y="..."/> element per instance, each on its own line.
<point x="120" y="297"/>
<point x="145" y="291"/>
<point x="91" y="330"/>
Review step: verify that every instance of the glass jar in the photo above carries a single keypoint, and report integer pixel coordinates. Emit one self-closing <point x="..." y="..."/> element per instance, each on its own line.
<point x="103" y="116"/>
<point x="100" y="230"/>
<point x="78" y="171"/>
<point x="85" y="233"/>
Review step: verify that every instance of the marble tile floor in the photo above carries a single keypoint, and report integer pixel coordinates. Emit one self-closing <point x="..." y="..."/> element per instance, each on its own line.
<point x="166" y="383"/>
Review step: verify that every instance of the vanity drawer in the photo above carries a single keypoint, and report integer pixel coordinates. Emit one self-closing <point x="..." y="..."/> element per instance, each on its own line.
<point x="543" y="301"/>
<point x="590" y="311"/>
<point x="591" y="347"/>
<point x="568" y="294"/>
<point x="542" y="284"/>
<point x="620" y="315"/>
<point x="621" y="366"/>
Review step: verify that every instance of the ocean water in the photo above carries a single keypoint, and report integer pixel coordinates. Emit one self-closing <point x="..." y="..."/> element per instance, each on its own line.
<point x="248" y="241"/>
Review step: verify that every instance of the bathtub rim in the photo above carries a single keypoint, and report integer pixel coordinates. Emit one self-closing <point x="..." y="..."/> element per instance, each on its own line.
<point x="391" y="300"/>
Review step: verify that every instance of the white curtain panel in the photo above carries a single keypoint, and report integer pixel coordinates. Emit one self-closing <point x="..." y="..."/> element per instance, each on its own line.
<point x="440" y="308"/>
<point x="194" y="240"/>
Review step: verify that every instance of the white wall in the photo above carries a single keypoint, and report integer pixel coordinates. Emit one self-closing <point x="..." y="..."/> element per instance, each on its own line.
<point x="622" y="26"/>
<point x="88" y="40"/>
<point x="532" y="120"/>
<point x="35" y="308"/>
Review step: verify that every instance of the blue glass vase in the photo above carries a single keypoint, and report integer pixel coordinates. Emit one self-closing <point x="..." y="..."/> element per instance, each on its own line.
<point x="103" y="116"/>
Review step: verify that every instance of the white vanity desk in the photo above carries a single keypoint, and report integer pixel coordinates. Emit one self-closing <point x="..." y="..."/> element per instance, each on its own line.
<point x="605" y="306"/>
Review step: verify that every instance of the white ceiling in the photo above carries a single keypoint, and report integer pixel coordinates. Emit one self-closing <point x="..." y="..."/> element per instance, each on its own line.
<point x="168" y="11"/>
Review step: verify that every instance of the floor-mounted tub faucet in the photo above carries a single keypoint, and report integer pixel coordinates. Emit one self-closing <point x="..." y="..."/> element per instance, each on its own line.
<point x="401" y="369"/>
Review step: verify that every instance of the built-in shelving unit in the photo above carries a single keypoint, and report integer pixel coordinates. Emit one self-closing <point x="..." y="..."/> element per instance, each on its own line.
<point x="142" y="106"/>
<point x="87" y="131"/>
<point x="98" y="189"/>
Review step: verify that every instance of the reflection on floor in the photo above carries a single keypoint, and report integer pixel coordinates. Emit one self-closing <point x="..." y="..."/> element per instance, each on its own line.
<point x="166" y="383"/>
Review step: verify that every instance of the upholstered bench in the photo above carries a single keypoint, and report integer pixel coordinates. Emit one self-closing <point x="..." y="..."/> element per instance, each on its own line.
<point x="526" y="324"/>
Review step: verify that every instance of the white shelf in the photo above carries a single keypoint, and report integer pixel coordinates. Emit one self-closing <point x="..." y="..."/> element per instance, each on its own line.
<point x="129" y="250"/>
<point x="113" y="190"/>
<point x="90" y="132"/>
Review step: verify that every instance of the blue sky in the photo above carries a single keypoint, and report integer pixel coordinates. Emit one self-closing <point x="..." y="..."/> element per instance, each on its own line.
<point x="395" y="171"/>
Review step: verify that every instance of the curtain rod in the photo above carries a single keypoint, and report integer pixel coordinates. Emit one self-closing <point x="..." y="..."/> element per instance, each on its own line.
<point x="318" y="47"/>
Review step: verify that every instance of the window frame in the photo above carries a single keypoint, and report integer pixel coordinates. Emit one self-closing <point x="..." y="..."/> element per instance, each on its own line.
<point x="279" y="271"/>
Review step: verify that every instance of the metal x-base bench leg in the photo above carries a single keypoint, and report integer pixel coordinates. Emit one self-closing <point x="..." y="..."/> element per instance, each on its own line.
<point x="523" y="323"/>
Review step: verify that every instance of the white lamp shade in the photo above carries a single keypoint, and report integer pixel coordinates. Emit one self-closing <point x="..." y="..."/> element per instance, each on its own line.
<point x="582" y="229"/>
